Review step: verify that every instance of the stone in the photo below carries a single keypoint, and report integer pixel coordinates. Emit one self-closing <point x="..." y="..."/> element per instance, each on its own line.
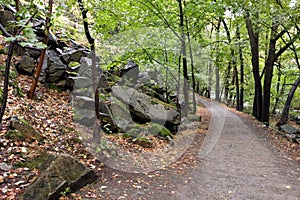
<point x="24" y="128"/>
<point x="26" y="65"/>
<point x="59" y="174"/>
<point x="85" y="117"/>
<point x="130" y="72"/>
<point x="288" y="129"/>
<point x="103" y="82"/>
<point x="55" y="68"/>
<point x="83" y="102"/>
<point x="5" y="167"/>
<point x="144" y="108"/>
<point x="74" y="55"/>
<point x="7" y="19"/>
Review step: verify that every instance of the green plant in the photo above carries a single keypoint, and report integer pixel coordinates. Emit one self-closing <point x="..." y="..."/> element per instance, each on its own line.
<point x="66" y="191"/>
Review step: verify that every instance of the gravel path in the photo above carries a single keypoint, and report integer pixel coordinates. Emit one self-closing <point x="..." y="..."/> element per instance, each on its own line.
<point x="235" y="161"/>
<point x="243" y="164"/>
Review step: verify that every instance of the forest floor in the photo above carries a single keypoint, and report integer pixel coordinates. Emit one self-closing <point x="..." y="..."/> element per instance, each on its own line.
<point x="230" y="155"/>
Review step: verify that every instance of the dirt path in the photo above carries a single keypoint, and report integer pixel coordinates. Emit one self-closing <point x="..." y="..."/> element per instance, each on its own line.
<point x="242" y="165"/>
<point x="235" y="161"/>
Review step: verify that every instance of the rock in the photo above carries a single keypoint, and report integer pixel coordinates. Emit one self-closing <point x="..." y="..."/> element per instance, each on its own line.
<point x="26" y="65"/>
<point x="143" y="142"/>
<point x="288" y="129"/>
<point x="60" y="173"/>
<point x="144" y="109"/>
<point x="103" y="82"/>
<point x="5" y="167"/>
<point x="24" y="128"/>
<point x="7" y="19"/>
<point x="55" y="68"/>
<point x="85" y="117"/>
<point x="74" y="55"/>
<point x="130" y="72"/>
<point x="83" y="102"/>
<point x="159" y="131"/>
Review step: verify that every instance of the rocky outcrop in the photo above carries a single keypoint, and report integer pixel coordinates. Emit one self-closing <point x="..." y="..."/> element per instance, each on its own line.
<point x="144" y="108"/>
<point x="61" y="174"/>
<point x="20" y="128"/>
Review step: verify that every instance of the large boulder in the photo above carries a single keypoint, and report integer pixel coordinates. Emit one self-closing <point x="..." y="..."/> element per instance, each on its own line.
<point x="26" y="65"/>
<point x="55" y="68"/>
<point x="130" y="72"/>
<point x="144" y="108"/>
<point x="60" y="174"/>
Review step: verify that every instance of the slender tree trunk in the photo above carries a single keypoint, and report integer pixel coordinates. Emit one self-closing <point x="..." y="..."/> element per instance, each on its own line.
<point x="192" y="66"/>
<point x="184" y="61"/>
<point x="269" y="67"/>
<point x="254" y="43"/>
<point x="43" y="53"/>
<point x="217" y="65"/>
<point x="6" y="81"/>
<point x="95" y="71"/>
<point x="241" y="99"/>
<point x="208" y="89"/>
<point x="217" y="75"/>
<point x="286" y="109"/>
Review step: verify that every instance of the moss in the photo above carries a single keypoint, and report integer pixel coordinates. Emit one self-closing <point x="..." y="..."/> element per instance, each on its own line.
<point x="74" y="64"/>
<point x="133" y="132"/>
<point x="160" y="131"/>
<point x="166" y="105"/>
<point x="15" y="135"/>
<point x="193" y="118"/>
<point x="33" y="163"/>
<point x="142" y="141"/>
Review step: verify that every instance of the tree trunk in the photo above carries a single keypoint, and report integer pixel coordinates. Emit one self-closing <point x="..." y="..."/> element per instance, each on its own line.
<point x="286" y="109"/>
<point x="91" y="40"/>
<point x="217" y="65"/>
<point x="6" y="81"/>
<point x="269" y="67"/>
<point x="192" y="67"/>
<point x="184" y="61"/>
<point x="241" y="99"/>
<point x="43" y="53"/>
<point x="217" y="74"/>
<point x="254" y="43"/>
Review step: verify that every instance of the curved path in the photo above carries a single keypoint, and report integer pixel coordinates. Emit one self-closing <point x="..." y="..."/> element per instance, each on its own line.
<point x="235" y="161"/>
<point x="240" y="163"/>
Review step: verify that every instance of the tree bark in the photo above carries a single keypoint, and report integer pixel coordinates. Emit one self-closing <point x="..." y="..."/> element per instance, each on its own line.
<point x="254" y="43"/>
<point x="184" y="61"/>
<point x="91" y="40"/>
<point x="192" y="65"/>
<point x="286" y="109"/>
<point x="43" y="53"/>
<point x="241" y="99"/>
<point x="6" y="81"/>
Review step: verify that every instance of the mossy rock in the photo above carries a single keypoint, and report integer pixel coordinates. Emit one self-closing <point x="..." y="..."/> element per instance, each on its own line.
<point x="133" y="132"/>
<point x="15" y="135"/>
<point x="159" y="131"/>
<point x="142" y="141"/>
<point x="166" y="105"/>
<point x="194" y="118"/>
<point x="25" y="128"/>
<point x="35" y="162"/>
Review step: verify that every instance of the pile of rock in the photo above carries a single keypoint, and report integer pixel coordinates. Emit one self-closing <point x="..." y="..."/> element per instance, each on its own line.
<point x="291" y="133"/>
<point x="61" y="61"/>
